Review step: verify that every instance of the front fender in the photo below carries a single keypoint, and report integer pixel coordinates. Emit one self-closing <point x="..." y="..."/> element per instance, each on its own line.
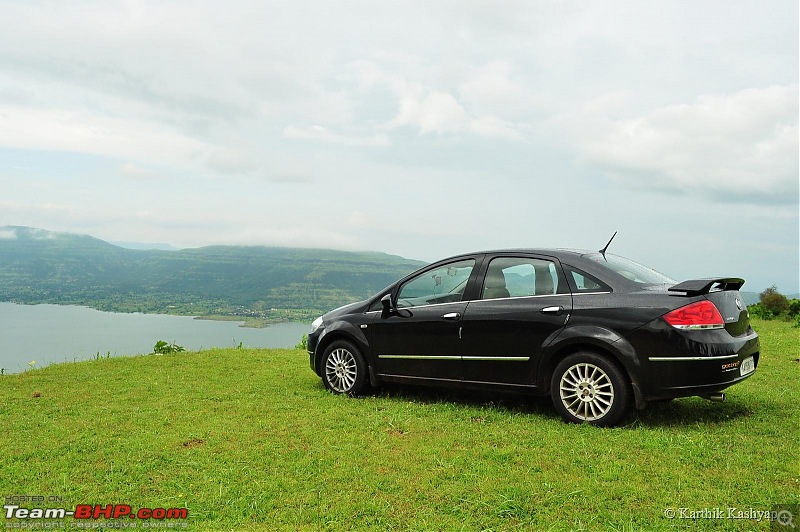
<point x="341" y="330"/>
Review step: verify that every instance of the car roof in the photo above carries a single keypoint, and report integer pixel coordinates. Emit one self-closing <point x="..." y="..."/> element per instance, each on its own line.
<point x="555" y="252"/>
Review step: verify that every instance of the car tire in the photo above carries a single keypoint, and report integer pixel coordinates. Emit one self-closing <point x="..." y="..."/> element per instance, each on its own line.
<point x="588" y="388"/>
<point x="343" y="369"/>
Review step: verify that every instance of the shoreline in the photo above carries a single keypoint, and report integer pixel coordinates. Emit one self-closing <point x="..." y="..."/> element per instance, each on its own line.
<point x="247" y="322"/>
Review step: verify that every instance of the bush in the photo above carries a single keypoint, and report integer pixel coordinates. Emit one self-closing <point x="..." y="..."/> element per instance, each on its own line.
<point x="759" y="311"/>
<point x="303" y="343"/>
<point x="774" y="301"/>
<point x="163" y="348"/>
<point x="794" y="308"/>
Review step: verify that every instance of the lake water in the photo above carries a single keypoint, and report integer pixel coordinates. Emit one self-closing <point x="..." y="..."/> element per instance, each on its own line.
<point x="55" y="333"/>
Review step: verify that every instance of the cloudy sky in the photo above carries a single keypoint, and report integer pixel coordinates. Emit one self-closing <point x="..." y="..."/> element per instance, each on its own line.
<point x="421" y="129"/>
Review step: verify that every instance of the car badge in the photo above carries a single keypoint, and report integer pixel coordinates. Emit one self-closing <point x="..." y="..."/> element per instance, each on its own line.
<point x="738" y="303"/>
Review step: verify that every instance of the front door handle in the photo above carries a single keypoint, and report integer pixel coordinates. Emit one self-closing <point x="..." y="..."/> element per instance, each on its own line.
<point x="552" y="310"/>
<point x="451" y="316"/>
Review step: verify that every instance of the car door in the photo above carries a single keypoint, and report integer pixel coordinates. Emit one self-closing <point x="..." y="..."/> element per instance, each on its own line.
<point x="420" y="337"/>
<point x="523" y="304"/>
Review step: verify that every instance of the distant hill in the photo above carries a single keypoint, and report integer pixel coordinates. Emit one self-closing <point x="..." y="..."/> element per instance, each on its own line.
<point x="39" y="266"/>
<point x="145" y="245"/>
<point x="750" y="298"/>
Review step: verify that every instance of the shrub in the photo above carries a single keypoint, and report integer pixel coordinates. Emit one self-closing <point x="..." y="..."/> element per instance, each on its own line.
<point x="759" y="311"/>
<point x="163" y="348"/>
<point x="794" y="308"/>
<point x="773" y="300"/>
<point x="303" y="343"/>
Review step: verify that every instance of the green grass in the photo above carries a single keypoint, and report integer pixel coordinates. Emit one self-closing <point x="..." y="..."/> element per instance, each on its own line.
<point x="250" y="439"/>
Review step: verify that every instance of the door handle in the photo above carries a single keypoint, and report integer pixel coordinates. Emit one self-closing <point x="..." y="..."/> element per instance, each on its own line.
<point x="451" y="316"/>
<point x="552" y="310"/>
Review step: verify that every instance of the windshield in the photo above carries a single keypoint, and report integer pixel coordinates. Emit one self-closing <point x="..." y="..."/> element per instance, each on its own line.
<point x="629" y="269"/>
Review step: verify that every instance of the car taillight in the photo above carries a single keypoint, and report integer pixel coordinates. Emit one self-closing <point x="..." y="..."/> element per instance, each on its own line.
<point x="699" y="315"/>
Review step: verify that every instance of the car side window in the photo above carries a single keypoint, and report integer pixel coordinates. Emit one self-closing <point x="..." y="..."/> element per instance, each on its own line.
<point x="445" y="284"/>
<point x="519" y="277"/>
<point x="583" y="282"/>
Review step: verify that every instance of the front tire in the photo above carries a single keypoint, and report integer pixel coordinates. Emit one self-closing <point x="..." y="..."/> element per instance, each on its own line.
<point x="343" y="369"/>
<point x="589" y="388"/>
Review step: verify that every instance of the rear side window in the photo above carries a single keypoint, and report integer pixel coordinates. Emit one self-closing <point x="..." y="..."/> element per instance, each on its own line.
<point x="629" y="269"/>
<point x="519" y="277"/>
<point x="583" y="282"/>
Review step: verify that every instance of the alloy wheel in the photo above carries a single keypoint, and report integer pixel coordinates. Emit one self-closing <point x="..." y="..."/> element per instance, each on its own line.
<point x="586" y="391"/>
<point x="341" y="370"/>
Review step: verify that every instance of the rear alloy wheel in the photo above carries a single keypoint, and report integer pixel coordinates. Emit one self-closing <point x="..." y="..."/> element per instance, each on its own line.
<point x="344" y="369"/>
<point x="588" y="388"/>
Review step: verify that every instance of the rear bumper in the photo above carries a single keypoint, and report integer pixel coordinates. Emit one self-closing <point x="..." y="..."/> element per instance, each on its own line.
<point x="683" y="376"/>
<point x="681" y="363"/>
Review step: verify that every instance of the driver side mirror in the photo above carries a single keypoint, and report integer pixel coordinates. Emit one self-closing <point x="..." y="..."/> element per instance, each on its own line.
<point x="388" y="305"/>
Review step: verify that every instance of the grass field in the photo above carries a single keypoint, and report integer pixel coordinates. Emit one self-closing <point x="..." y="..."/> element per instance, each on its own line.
<point x="249" y="439"/>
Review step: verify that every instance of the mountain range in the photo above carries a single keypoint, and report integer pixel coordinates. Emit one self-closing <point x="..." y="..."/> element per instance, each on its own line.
<point x="267" y="283"/>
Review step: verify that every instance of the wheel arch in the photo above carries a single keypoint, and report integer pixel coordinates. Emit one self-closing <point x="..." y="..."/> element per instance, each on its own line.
<point x="604" y="342"/>
<point x="336" y="332"/>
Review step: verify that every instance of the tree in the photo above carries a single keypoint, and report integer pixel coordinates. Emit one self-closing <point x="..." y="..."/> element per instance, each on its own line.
<point x="773" y="300"/>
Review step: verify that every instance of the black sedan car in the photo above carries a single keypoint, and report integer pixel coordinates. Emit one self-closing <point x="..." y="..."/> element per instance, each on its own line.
<point x="597" y="332"/>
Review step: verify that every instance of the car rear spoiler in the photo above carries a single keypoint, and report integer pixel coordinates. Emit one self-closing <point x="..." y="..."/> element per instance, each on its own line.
<point x="696" y="287"/>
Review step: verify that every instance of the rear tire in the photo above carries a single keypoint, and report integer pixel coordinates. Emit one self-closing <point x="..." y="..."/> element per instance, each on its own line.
<point x="343" y="369"/>
<point x="589" y="388"/>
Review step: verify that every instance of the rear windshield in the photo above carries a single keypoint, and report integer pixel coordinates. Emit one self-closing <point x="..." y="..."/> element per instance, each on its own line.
<point x="629" y="269"/>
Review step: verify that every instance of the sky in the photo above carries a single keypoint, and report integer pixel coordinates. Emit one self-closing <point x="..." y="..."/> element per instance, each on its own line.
<point x="417" y="128"/>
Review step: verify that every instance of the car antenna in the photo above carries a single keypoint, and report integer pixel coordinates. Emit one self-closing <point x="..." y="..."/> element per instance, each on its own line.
<point x="603" y="251"/>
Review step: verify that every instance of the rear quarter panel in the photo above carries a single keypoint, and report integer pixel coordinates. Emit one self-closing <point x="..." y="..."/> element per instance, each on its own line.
<point x="605" y="322"/>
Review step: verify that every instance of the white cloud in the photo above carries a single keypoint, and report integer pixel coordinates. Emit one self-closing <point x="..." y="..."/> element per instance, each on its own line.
<point x="137" y="172"/>
<point x="84" y="132"/>
<point x="441" y="113"/>
<point x="233" y="161"/>
<point x="357" y="219"/>
<point x="491" y="89"/>
<point x="290" y="173"/>
<point x="436" y="112"/>
<point x="725" y="145"/>
<point x="42" y="234"/>
<point x="8" y="234"/>
<point x="491" y="126"/>
<point x="321" y="133"/>
<point x="485" y="96"/>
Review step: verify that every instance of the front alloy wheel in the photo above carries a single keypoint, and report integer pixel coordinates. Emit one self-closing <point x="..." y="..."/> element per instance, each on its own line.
<point x="588" y="388"/>
<point x="344" y="368"/>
